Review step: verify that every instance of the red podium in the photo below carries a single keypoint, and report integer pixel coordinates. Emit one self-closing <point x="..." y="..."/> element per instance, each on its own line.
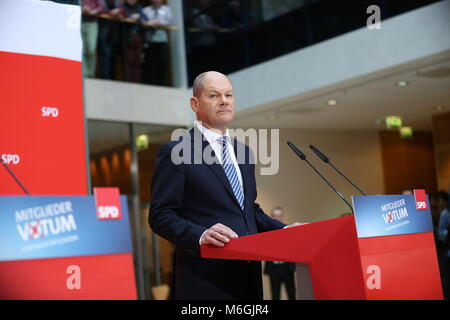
<point x="331" y="253"/>
<point x="342" y="265"/>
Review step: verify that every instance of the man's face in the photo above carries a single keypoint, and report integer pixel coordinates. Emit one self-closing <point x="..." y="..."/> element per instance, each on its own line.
<point x="215" y="105"/>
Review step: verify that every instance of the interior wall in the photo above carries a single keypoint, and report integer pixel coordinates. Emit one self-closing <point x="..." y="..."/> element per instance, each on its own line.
<point x="136" y="103"/>
<point x="441" y="130"/>
<point x="302" y="193"/>
<point x="408" y="163"/>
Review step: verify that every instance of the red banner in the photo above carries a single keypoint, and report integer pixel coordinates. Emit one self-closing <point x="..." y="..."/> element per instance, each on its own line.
<point x="42" y="136"/>
<point x="42" y="141"/>
<point x="89" y="277"/>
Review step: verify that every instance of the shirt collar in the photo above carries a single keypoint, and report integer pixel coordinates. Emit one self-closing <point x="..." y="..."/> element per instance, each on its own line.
<point x="211" y="135"/>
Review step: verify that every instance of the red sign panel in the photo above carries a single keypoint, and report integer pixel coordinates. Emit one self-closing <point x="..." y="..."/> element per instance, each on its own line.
<point x="88" y="277"/>
<point x="421" y="199"/>
<point x="390" y="267"/>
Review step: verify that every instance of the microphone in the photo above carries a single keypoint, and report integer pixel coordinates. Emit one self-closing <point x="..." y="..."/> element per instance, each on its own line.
<point x="327" y="160"/>
<point x="302" y="156"/>
<point x="15" y="178"/>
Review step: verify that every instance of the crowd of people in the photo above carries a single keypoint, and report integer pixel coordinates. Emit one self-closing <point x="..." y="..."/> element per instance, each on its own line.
<point x="127" y="40"/>
<point x="123" y="33"/>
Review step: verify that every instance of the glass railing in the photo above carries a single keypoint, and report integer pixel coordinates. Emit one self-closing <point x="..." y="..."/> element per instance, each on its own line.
<point x="231" y="35"/>
<point x="224" y="35"/>
<point x="117" y="46"/>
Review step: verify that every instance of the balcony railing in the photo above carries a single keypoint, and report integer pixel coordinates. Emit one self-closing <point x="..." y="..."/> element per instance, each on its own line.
<point x="231" y="35"/>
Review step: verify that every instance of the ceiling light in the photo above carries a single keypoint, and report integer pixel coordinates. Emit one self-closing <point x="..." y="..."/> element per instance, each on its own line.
<point x="402" y="83"/>
<point x="377" y="122"/>
<point x="332" y="102"/>
<point x="440" y="107"/>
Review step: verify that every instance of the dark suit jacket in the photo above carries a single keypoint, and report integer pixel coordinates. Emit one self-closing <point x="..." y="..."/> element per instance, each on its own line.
<point x="272" y="268"/>
<point x="187" y="199"/>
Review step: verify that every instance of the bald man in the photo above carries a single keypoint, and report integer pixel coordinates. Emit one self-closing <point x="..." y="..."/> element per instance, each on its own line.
<point x="208" y="202"/>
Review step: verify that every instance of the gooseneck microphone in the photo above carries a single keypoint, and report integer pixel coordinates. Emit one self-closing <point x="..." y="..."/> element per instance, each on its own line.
<point x="15" y="178"/>
<point x="302" y="156"/>
<point x="327" y="160"/>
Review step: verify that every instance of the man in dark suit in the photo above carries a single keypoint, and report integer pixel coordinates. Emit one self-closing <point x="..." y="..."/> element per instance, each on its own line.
<point x="208" y="202"/>
<point x="280" y="272"/>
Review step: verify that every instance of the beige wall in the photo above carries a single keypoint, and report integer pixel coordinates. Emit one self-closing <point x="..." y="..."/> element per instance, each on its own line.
<point x="441" y="130"/>
<point x="301" y="192"/>
<point x="133" y="102"/>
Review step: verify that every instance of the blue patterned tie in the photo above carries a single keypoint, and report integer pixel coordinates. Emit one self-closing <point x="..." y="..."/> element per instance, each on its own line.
<point x="231" y="172"/>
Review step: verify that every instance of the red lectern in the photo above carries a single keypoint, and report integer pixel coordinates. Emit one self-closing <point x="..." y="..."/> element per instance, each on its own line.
<point x="386" y="251"/>
<point x="331" y="253"/>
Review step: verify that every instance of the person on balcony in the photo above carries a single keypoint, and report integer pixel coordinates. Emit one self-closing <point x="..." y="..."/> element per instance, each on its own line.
<point x="156" y="45"/>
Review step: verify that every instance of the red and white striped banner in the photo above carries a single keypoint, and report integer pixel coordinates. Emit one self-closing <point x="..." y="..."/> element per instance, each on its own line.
<point x="42" y="135"/>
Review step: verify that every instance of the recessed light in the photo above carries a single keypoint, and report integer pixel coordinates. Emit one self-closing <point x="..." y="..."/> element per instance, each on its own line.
<point x="440" y="107"/>
<point x="273" y="117"/>
<point x="402" y="83"/>
<point x="377" y="122"/>
<point x="332" y="102"/>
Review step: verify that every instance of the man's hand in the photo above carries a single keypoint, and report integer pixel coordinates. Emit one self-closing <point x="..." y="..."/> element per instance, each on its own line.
<point x="218" y="235"/>
<point x="134" y="16"/>
<point x="156" y="24"/>
<point x="295" y="224"/>
<point x="115" y="12"/>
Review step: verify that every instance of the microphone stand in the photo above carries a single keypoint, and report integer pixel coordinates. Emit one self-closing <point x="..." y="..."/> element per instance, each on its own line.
<point x="302" y="156"/>
<point x="327" y="160"/>
<point x="15" y="178"/>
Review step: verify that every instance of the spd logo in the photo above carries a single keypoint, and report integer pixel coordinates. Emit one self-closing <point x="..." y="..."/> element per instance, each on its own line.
<point x="49" y="112"/>
<point x="10" y="158"/>
<point x="421" y="199"/>
<point x="107" y="203"/>
<point x="108" y="212"/>
<point x="421" y="205"/>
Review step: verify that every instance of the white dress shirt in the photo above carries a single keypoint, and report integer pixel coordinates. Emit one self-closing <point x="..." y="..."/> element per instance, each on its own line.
<point x="213" y="138"/>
